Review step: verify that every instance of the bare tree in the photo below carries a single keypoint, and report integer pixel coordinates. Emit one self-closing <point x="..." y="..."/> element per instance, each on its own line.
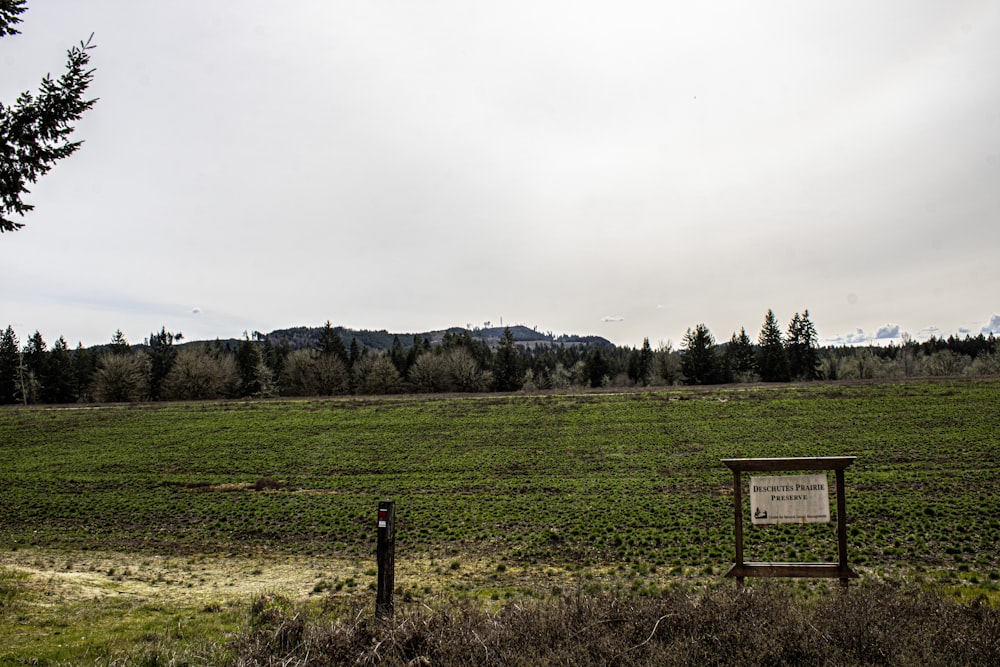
<point x="429" y="373"/>
<point x="198" y="374"/>
<point x="376" y="374"/>
<point x="306" y="373"/>
<point x="121" y="378"/>
<point x="464" y="372"/>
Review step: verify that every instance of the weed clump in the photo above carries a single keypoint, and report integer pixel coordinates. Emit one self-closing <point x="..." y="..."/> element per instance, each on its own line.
<point x="267" y="484"/>
<point x="274" y="624"/>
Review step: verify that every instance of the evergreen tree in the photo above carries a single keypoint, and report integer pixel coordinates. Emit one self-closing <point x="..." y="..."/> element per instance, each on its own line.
<point x="355" y="353"/>
<point x="84" y="367"/>
<point x="162" y="354"/>
<point x="10" y="10"/>
<point x="699" y="363"/>
<point x="772" y="361"/>
<point x="645" y="362"/>
<point x="508" y="374"/>
<point x="9" y="365"/>
<point x="119" y="344"/>
<point x="398" y="356"/>
<point x="632" y="366"/>
<point x="639" y="367"/>
<point x="34" y="353"/>
<point x="331" y="342"/>
<point x="274" y="355"/>
<point x="255" y="376"/>
<point x="59" y="383"/>
<point x="35" y="131"/>
<point x="416" y="349"/>
<point x="802" y="346"/>
<point x="740" y="357"/>
<point x="595" y="368"/>
<point x="32" y="370"/>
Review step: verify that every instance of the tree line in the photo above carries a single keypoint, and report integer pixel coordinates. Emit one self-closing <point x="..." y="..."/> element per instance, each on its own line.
<point x="795" y="355"/>
<point x="163" y="368"/>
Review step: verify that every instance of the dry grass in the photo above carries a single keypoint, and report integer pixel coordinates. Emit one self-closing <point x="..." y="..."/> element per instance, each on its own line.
<point x="314" y="612"/>
<point x="868" y="625"/>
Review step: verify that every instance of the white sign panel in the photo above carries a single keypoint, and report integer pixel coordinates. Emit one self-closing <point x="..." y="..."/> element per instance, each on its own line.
<point x="789" y="499"/>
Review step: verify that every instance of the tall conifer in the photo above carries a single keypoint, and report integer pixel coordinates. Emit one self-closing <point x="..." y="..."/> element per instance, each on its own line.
<point x="699" y="362"/>
<point x="9" y="354"/>
<point x="772" y="361"/>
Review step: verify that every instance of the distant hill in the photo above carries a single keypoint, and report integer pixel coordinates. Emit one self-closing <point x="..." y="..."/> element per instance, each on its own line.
<point x="307" y="337"/>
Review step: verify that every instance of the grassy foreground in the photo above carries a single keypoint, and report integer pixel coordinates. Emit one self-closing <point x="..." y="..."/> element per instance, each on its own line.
<point x="771" y="623"/>
<point x="502" y="498"/>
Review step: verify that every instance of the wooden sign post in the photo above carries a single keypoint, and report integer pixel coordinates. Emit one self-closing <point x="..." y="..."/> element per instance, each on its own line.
<point x="386" y="556"/>
<point x="793" y="500"/>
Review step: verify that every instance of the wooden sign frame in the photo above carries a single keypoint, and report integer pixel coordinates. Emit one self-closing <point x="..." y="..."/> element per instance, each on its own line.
<point x="742" y="569"/>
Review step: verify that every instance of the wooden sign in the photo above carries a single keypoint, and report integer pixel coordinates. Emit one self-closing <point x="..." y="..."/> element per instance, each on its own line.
<point x="742" y="569"/>
<point x="789" y="499"/>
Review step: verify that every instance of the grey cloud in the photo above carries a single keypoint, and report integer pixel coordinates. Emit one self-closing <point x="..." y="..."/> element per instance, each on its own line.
<point x="612" y="318"/>
<point x="993" y="327"/>
<point x="857" y="337"/>
<point x="888" y="331"/>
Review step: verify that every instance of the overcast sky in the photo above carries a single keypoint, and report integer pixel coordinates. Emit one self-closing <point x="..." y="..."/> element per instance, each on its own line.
<point x="624" y="169"/>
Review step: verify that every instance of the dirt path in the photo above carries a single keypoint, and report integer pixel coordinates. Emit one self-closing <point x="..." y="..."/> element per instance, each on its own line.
<point x="212" y="579"/>
<point x="188" y="580"/>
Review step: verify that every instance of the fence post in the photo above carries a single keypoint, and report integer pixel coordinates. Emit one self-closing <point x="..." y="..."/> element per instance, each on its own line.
<point x="386" y="556"/>
<point x="738" y="530"/>
<point x="842" y="528"/>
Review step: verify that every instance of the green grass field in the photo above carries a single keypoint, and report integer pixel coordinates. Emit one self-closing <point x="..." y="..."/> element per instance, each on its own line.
<point x="564" y="479"/>
<point x="490" y="488"/>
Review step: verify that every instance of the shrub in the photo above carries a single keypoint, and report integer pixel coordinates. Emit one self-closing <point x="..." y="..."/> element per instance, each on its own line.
<point x="870" y="624"/>
<point x="309" y="374"/>
<point x="121" y="378"/>
<point x="198" y="374"/>
<point x="376" y="374"/>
